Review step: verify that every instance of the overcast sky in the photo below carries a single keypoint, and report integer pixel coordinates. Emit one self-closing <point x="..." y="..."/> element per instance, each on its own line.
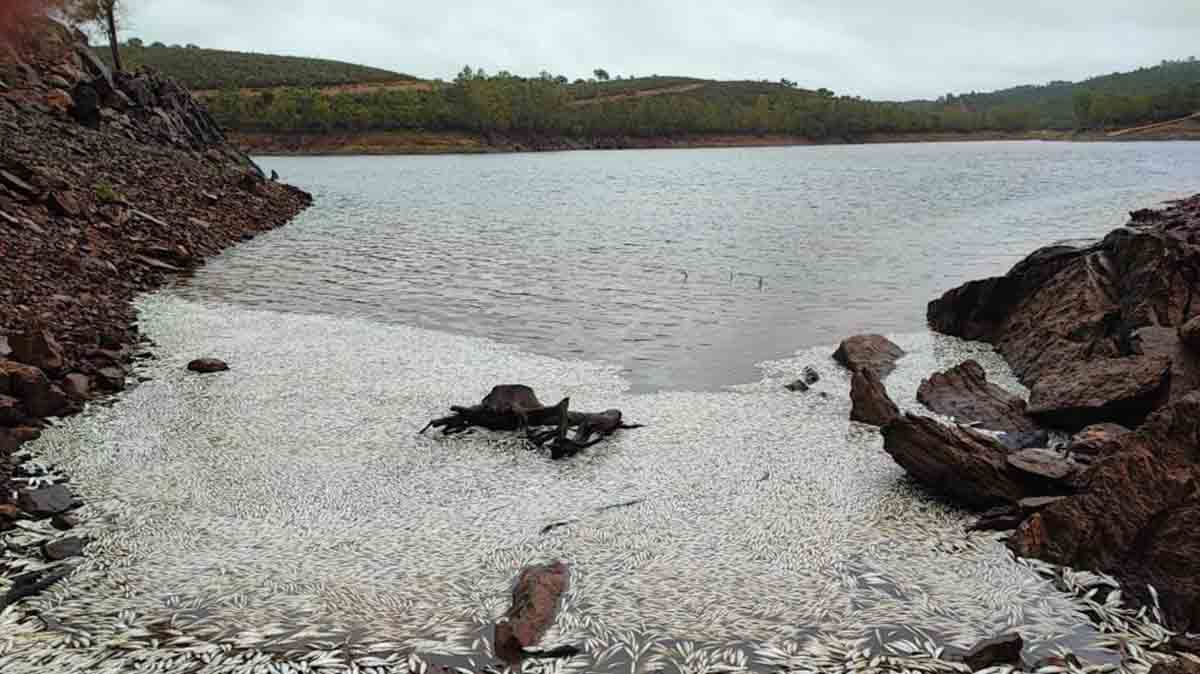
<point x="883" y="49"/>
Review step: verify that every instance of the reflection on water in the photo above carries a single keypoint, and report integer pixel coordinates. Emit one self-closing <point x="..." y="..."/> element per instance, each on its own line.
<point x="683" y="267"/>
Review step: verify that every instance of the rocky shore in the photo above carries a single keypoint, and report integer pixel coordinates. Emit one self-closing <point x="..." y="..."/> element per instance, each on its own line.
<point x="1101" y="469"/>
<point x="111" y="184"/>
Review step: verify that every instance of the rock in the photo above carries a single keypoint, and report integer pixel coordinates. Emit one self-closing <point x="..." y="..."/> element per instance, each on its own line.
<point x="1097" y="440"/>
<point x="1034" y="504"/>
<point x="1024" y="440"/>
<point x="870" y="401"/>
<point x="968" y="466"/>
<point x="86" y="105"/>
<point x="535" y="601"/>
<point x="60" y="101"/>
<point x="1043" y="463"/>
<point x="112" y="377"/>
<point x="77" y="386"/>
<point x="1177" y="666"/>
<point x="65" y="204"/>
<point x="1189" y="334"/>
<point x="5" y="349"/>
<point x="964" y="394"/>
<point x="45" y="502"/>
<point x="798" y="386"/>
<point x="37" y="347"/>
<point x="811" y="376"/>
<point x="875" y="352"/>
<point x="58" y="81"/>
<point x="64" y="521"/>
<point x="1005" y="650"/>
<point x="64" y="548"/>
<point x="1136" y="513"/>
<point x="9" y="513"/>
<point x="208" y="365"/>
<point x="1002" y="518"/>
<point x="15" y="183"/>
<point x="30" y="385"/>
<point x="1124" y="390"/>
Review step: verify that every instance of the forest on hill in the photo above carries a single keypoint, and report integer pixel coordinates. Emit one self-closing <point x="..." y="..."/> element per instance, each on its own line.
<point x="201" y="69"/>
<point x="293" y="95"/>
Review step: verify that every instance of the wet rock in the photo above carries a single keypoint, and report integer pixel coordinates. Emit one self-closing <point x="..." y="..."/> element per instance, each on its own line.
<point x="77" y="386"/>
<point x="1124" y="390"/>
<point x="535" y="602"/>
<point x="1005" y="650"/>
<point x="208" y="365"/>
<point x="1189" y="334"/>
<point x="1043" y="463"/>
<point x="874" y="352"/>
<point x="64" y="548"/>
<point x="37" y="347"/>
<point x="870" y="401"/>
<point x="45" y="502"/>
<point x="964" y="394"/>
<point x="966" y="465"/>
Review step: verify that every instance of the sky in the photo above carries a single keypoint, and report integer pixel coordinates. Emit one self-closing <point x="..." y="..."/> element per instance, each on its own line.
<point x="879" y="49"/>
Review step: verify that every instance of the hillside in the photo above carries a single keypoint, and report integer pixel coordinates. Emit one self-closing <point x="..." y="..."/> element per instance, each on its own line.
<point x="200" y="69"/>
<point x="1159" y="93"/>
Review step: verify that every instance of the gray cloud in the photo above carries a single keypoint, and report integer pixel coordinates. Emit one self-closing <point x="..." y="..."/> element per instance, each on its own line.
<point x="875" y="48"/>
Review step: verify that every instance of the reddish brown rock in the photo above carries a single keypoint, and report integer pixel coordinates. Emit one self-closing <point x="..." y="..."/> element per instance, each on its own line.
<point x="30" y="385"/>
<point x="37" y="347"/>
<point x="11" y="411"/>
<point x="964" y="394"/>
<point x="1042" y="463"/>
<point x="535" y="602"/>
<point x="870" y="401"/>
<point x="1189" y="334"/>
<point x="77" y="386"/>
<point x="1121" y="390"/>
<point x="874" y="352"/>
<point x="1097" y="440"/>
<point x="970" y="467"/>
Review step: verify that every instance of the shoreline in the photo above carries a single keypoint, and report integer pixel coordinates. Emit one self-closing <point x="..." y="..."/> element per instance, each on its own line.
<point x="418" y="143"/>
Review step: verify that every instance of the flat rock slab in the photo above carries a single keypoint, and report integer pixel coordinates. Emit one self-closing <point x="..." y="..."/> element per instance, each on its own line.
<point x="964" y="394"/>
<point x="64" y="548"/>
<point x="47" y="501"/>
<point x="1121" y="390"/>
<point x="1043" y="463"/>
<point x="874" y="352"/>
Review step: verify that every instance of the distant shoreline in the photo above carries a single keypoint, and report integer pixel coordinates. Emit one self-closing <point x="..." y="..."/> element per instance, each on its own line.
<point x="449" y="142"/>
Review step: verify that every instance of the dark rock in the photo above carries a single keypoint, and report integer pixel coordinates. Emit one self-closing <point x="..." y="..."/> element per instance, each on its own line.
<point x="65" y="204"/>
<point x="1002" y="518"/>
<point x="1024" y="440"/>
<point x="37" y="347"/>
<point x="964" y="394"/>
<point x="966" y="465"/>
<point x="1124" y="390"/>
<point x="30" y="385"/>
<point x="46" y="502"/>
<point x="1035" y="504"/>
<point x="811" y="376"/>
<point x="32" y="583"/>
<point x="875" y="352"/>
<point x="1189" y="334"/>
<point x="870" y="401"/>
<point x="1005" y="650"/>
<point x="15" y="183"/>
<point x="11" y="411"/>
<point x="77" y="386"/>
<point x="64" y="548"/>
<point x="535" y="602"/>
<point x="64" y="521"/>
<point x="1181" y="643"/>
<point x="1043" y="463"/>
<point x="208" y="365"/>
<point x="798" y="386"/>
<point x="86" y="105"/>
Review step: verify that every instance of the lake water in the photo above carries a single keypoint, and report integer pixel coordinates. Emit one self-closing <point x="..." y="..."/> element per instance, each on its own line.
<point x="683" y="267"/>
<point x="286" y="516"/>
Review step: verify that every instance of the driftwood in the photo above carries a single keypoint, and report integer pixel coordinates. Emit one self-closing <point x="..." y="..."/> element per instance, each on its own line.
<point x="516" y="407"/>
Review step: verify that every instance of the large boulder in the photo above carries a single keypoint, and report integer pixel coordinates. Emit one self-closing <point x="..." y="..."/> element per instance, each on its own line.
<point x="1136" y="514"/>
<point x="968" y="466"/>
<point x="1121" y="390"/>
<point x="964" y="394"/>
<point x="870" y="403"/>
<point x="874" y="352"/>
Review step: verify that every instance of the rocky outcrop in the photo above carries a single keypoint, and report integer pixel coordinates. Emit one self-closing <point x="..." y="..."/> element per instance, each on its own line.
<point x="870" y="402"/>
<point x="1120" y="390"/>
<point x="874" y="352"/>
<point x="964" y="394"/>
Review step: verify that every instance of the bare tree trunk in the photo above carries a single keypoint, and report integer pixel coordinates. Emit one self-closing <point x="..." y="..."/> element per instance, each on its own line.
<point x="110" y="17"/>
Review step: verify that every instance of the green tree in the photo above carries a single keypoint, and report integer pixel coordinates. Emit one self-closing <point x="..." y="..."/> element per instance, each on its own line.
<point x="107" y="15"/>
<point x="601" y="74"/>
